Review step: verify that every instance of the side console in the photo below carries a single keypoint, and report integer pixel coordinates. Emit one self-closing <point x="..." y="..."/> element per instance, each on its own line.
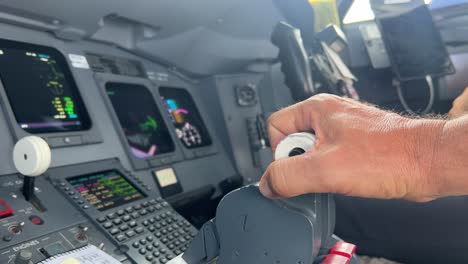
<point x="107" y="206"/>
<point x="36" y="232"/>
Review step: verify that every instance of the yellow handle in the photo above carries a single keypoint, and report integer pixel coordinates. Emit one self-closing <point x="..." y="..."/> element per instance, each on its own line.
<point x="326" y="13"/>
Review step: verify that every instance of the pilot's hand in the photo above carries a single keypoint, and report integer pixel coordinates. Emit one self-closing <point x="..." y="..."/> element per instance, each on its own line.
<point x="360" y="151"/>
<point x="460" y="106"/>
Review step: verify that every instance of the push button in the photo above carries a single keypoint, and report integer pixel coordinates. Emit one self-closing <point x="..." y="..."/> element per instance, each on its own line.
<point x="36" y="220"/>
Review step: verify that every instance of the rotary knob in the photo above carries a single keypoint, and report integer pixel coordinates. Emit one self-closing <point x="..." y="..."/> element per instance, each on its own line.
<point x="17" y="228"/>
<point x="246" y="95"/>
<point x="82" y="235"/>
<point x="24" y="257"/>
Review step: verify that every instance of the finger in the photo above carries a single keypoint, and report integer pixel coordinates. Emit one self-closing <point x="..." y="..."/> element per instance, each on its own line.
<point x="285" y="122"/>
<point x="304" y="117"/>
<point x="300" y="117"/>
<point x="293" y="176"/>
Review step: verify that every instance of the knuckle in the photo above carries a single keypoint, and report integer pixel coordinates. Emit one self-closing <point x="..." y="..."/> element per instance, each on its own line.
<point x="325" y="100"/>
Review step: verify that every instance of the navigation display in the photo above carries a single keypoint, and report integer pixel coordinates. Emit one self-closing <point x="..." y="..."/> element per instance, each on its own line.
<point x="40" y="88"/>
<point x="140" y="119"/>
<point x="184" y="114"/>
<point x="105" y="190"/>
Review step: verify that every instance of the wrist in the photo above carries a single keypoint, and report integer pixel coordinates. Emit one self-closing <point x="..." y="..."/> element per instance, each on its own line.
<point x="425" y="136"/>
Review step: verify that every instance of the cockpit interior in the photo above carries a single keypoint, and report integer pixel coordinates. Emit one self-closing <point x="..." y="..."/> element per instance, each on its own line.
<point x="136" y="132"/>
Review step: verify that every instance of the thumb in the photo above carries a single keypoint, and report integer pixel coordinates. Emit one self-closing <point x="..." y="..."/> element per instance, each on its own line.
<point x="290" y="177"/>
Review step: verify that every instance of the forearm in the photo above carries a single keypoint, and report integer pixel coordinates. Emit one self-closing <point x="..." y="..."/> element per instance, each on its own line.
<point x="450" y="164"/>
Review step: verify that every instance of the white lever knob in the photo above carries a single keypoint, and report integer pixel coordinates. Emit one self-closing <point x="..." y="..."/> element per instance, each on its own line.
<point x="295" y="144"/>
<point x="32" y="156"/>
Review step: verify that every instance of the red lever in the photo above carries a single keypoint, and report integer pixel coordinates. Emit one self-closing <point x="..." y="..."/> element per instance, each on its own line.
<point x="5" y="209"/>
<point x="336" y="259"/>
<point x="343" y="249"/>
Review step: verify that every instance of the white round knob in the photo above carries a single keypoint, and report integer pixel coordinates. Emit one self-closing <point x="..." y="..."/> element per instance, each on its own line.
<point x="32" y="156"/>
<point x="295" y="144"/>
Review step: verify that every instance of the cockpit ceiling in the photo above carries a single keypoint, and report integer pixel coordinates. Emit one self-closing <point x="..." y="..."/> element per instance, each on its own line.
<point x="199" y="37"/>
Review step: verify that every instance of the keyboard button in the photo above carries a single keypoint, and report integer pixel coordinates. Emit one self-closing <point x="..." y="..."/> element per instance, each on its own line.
<point x="114" y="231"/>
<point x="144" y="212"/>
<point x="120" y="238"/>
<point x="130" y="233"/>
<point x="135" y="215"/>
<point x="111" y="216"/>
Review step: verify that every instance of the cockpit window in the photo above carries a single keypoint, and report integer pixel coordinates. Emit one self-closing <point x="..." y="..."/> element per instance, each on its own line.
<point x="361" y="11"/>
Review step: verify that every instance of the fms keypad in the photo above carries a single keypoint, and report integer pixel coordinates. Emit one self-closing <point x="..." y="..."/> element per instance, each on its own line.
<point x="144" y="227"/>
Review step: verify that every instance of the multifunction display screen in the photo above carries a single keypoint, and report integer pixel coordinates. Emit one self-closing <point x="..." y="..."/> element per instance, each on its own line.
<point x="105" y="190"/>
<point x="140" y="119"/>
<point x="186" y="118"/>
<point x="40" y="88"/>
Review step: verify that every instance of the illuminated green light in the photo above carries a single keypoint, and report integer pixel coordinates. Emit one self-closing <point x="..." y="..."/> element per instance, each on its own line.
<point x="149" y="125"/>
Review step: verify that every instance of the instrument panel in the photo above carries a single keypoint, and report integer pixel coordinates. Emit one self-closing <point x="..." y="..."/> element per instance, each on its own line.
<point x="130" y="140"/>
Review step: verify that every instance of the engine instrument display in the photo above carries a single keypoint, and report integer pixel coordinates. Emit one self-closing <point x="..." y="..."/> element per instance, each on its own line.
<point x="105" y="190"/>
<point x="189" y="126"/>
<point x="142" y="123"/>
<point x="40" y="88"/>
